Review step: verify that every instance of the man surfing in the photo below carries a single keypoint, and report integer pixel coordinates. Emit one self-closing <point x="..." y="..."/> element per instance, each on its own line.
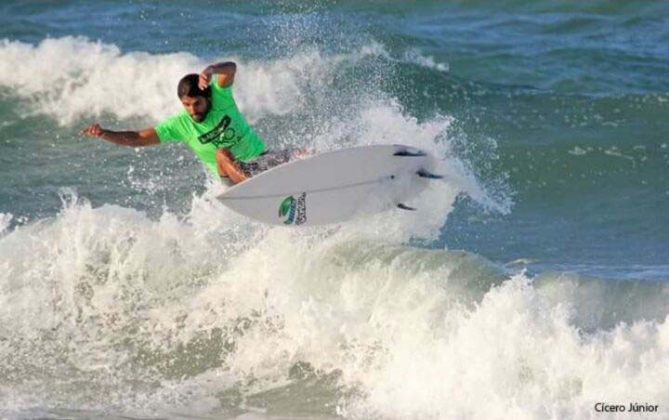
<point x="211" y="125"/>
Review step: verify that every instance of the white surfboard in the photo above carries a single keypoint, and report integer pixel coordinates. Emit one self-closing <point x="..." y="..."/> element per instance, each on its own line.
<point x="333" y="187"/>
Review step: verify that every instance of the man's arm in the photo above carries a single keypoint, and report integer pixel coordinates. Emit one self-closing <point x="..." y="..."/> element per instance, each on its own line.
<point x="146" y="137"/>
<point x="225" y="72"/>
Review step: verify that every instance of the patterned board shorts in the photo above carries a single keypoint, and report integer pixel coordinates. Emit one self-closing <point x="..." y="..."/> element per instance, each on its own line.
<point x="267" y="160"/>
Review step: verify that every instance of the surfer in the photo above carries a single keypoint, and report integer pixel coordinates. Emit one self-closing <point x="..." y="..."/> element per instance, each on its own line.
<point x="211" y="125"/>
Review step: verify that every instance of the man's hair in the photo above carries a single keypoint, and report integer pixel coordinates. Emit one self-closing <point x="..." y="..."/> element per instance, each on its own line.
<point x="188" y="87"/>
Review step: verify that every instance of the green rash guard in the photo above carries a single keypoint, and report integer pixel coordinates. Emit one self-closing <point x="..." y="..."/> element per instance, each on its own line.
<point x="224" y="127"/>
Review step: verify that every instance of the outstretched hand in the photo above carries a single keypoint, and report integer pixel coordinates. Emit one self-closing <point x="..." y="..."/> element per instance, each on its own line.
<point x="205" y="78"/>
<point x="93" y="130"/>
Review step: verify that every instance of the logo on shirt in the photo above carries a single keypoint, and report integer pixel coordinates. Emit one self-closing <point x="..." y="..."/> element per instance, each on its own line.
<point x="220" y="133"/>
<point x="294" y="210"/>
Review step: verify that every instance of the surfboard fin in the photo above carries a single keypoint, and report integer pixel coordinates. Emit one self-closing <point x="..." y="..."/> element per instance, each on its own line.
<point x="427" y="174"/>
<point x="409" y="153"/>
<point x="405" y="207"/>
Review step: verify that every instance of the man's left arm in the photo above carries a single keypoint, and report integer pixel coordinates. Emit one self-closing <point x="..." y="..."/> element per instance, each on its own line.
<point x="225" y="73"/>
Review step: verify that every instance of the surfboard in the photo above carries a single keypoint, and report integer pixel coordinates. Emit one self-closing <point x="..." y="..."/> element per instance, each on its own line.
<point x="333" y="187"/>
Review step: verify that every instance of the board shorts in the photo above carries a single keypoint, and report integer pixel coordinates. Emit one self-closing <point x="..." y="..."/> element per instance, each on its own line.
<point x="265" y="161"/>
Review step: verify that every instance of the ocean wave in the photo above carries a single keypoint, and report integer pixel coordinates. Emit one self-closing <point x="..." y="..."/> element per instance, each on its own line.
<point x="71" y="78"/>
<point x="155" y="314"/>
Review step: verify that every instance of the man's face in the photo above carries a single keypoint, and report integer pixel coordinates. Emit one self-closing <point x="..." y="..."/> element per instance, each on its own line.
<point x="197" y="107"/>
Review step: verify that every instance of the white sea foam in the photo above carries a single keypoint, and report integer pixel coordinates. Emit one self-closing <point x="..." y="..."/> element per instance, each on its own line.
<point x="71" y="78"/>
<point x="5" y="219"/>
<point x="158" y="315"/>
<point x="514" y="356"/>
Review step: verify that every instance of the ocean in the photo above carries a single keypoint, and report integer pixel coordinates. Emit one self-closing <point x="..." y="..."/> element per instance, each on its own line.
<point x="533" y="284"/>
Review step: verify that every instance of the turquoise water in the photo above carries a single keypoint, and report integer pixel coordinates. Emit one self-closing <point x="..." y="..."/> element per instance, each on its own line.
<point x="533" y="284"/>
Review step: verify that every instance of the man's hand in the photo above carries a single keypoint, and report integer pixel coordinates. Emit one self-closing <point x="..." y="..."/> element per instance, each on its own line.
<point x="225" y="73"/>
<point x="93" y="130"/>
<point x="205" y="78"/>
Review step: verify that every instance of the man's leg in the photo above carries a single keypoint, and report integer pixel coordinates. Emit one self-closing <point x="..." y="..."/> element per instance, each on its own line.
<point x="228" y="168"/>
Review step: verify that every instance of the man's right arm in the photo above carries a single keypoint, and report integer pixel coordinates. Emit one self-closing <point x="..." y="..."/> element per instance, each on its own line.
<point x="146" y="137"/>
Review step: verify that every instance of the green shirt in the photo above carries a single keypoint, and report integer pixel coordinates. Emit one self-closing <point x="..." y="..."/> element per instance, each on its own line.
<point x="224" y="127"/>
